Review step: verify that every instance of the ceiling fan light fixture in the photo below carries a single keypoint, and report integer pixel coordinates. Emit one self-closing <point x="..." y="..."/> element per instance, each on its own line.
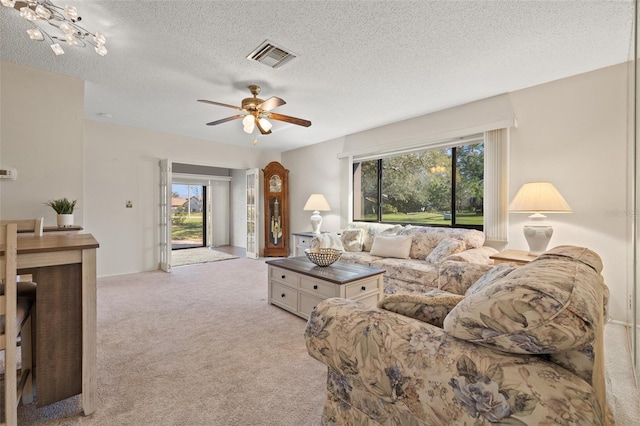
<point x="249" y="122"/>
<point x="265" y="124"/>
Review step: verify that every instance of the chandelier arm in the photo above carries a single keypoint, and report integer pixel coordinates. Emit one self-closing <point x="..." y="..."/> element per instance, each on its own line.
<point x="57" y="16"/>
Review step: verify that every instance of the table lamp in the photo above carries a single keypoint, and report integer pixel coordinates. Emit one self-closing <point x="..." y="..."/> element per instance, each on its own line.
<point x="538" y="198"/>
<point x="316" y="203"/>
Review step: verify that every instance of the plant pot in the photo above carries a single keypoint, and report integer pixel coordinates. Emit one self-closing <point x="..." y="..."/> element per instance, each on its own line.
<point x="65" y="220"/>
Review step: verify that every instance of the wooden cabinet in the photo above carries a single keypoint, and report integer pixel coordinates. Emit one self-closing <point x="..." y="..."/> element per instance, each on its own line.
<point x="276" y="210"/>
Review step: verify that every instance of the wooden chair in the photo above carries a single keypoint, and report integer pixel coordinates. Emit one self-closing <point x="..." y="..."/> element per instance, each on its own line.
<point x="16" y="314"/>
<point x="32" y="226"/>
<point x="26" y="286"/>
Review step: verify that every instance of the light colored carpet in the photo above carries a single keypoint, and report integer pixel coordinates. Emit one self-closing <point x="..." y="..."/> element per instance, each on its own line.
<point x="198" y="255"/>
<point x="197" y="346"/>
<point x="201" y="346"/>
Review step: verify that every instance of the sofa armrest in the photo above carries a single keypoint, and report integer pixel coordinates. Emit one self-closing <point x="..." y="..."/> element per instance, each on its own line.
<point x="431" y="307"/>
<point x="438" y="378"/>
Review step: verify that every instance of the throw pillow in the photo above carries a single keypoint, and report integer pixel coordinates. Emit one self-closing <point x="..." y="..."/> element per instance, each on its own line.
<point x="446" y="247"/>
<point x="431" y="307"/>
<point x="397" y="246"/>
<point x="479" y="255"/>
<point x="489" y="277"/>
<point x="352" y="239"/>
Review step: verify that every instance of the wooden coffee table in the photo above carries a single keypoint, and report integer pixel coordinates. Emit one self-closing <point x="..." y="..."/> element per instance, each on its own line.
<point x="298" y="285"/>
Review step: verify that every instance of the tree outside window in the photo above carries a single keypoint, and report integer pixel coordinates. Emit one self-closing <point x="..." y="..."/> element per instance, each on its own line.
<point x="419" y="188"/>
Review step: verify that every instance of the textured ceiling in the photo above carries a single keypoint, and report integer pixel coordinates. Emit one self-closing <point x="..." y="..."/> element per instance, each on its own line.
<point x="361" y="64"/>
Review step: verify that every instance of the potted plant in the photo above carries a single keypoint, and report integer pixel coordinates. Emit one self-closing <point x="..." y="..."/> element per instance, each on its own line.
<point x="64" y="208"/>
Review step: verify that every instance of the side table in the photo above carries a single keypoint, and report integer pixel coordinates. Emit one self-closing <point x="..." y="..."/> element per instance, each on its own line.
<point x="519" y="257"/>
<point x="301" y="242"/>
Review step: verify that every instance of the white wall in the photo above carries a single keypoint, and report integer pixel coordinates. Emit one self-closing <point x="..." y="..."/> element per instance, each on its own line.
<point x="572" y="132"/>
<point x="42" y="137"/>
<point x="121" y="163"/>
<point x="314" y="169"/>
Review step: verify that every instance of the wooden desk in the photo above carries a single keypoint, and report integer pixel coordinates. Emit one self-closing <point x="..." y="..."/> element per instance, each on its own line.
<point x="64" y="266"/>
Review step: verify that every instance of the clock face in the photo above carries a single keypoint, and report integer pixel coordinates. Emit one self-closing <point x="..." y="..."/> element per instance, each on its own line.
<point x="275" y="184"/>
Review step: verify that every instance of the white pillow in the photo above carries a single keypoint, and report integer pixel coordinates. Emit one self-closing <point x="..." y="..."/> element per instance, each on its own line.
<point x="397" y="246"/>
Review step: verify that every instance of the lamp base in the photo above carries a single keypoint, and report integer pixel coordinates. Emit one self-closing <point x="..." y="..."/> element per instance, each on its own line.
<point x="538" y="237"/>
<point x="316" y="221"/>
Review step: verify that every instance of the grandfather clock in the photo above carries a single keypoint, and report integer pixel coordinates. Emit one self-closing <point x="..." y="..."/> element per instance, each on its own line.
<point x="276" y="210"/>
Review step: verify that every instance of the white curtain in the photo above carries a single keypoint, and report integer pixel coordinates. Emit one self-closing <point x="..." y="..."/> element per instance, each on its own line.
<point x="496" y="159"/>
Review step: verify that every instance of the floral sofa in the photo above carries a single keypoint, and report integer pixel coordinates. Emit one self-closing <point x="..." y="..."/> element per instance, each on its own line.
<point x="521" y="346"/>
<point x="417" y="259"/>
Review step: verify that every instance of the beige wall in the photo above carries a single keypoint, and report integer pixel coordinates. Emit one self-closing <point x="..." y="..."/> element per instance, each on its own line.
<point x="121" y="163"/>
<point x="42" y="138"/>
<point x="572" y="132"/>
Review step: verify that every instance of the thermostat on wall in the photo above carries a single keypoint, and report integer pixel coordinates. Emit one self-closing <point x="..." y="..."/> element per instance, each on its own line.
<point x="8" y="174"/>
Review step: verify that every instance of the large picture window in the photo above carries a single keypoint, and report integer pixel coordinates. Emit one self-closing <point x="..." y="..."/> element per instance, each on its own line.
<point x="442" y="186"/>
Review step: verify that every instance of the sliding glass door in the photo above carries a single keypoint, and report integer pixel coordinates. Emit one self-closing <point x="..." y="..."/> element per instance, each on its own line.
<point x="188" y="218"/>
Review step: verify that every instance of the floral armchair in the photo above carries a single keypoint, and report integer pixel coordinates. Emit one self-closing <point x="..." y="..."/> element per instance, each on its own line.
<point x="522" y="346"/>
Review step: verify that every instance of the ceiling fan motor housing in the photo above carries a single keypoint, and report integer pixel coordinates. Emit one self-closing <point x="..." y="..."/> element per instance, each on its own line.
<point x="251" y="104"/>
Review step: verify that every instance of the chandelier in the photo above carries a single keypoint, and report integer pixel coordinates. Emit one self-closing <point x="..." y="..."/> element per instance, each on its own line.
<point x="63" y="20"/>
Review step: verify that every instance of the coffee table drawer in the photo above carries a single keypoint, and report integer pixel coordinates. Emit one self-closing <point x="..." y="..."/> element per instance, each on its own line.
<point x="284" y="295"/>
<point x="318" y="288"/>
<point x="284" y="276"/>
<point x="355" y="290"/>
<point x="307" y="304"/>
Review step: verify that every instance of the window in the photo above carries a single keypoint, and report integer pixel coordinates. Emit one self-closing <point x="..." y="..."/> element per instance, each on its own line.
<point x="419" y="188"/>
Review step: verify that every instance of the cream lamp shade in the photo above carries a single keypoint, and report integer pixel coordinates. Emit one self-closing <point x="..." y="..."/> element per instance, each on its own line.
<point x="316" y="203"/>
<point x="538" y="198"/>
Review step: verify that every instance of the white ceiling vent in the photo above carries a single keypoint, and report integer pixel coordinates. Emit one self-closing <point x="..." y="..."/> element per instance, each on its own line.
<point x="271" y="55"/>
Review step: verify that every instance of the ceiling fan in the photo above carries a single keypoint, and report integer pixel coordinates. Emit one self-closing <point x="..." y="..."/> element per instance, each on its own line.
<point x="256" y="112"/>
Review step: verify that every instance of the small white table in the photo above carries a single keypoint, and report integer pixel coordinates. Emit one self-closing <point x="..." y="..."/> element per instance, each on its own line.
<point x="301" y="242"/>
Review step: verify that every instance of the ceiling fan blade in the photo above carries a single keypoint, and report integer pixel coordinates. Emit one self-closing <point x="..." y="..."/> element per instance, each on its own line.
<point x="264" y="132"/>
<point x="271" y="103"/>
<point x="220" y="104"/>
<point x="224" y="120"/>
<point x="288" y="119"/>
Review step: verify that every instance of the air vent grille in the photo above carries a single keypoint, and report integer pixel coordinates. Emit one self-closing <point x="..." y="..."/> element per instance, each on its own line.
<point x="271" y="55"/>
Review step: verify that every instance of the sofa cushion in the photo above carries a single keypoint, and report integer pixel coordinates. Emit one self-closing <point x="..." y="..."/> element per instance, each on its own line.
<point x="409" y="271"/>
<point x="446" y="247"/>
<point x="457" y="277"/>
<point x="549" y="305"/>
<point x="431" y="307"/>
<point x="361" y="258"/>
<point x="352" y="239"/>
<point x="397" y="246"/>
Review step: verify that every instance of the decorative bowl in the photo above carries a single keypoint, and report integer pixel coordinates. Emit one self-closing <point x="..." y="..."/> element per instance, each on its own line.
<point x="323" y="256"/>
